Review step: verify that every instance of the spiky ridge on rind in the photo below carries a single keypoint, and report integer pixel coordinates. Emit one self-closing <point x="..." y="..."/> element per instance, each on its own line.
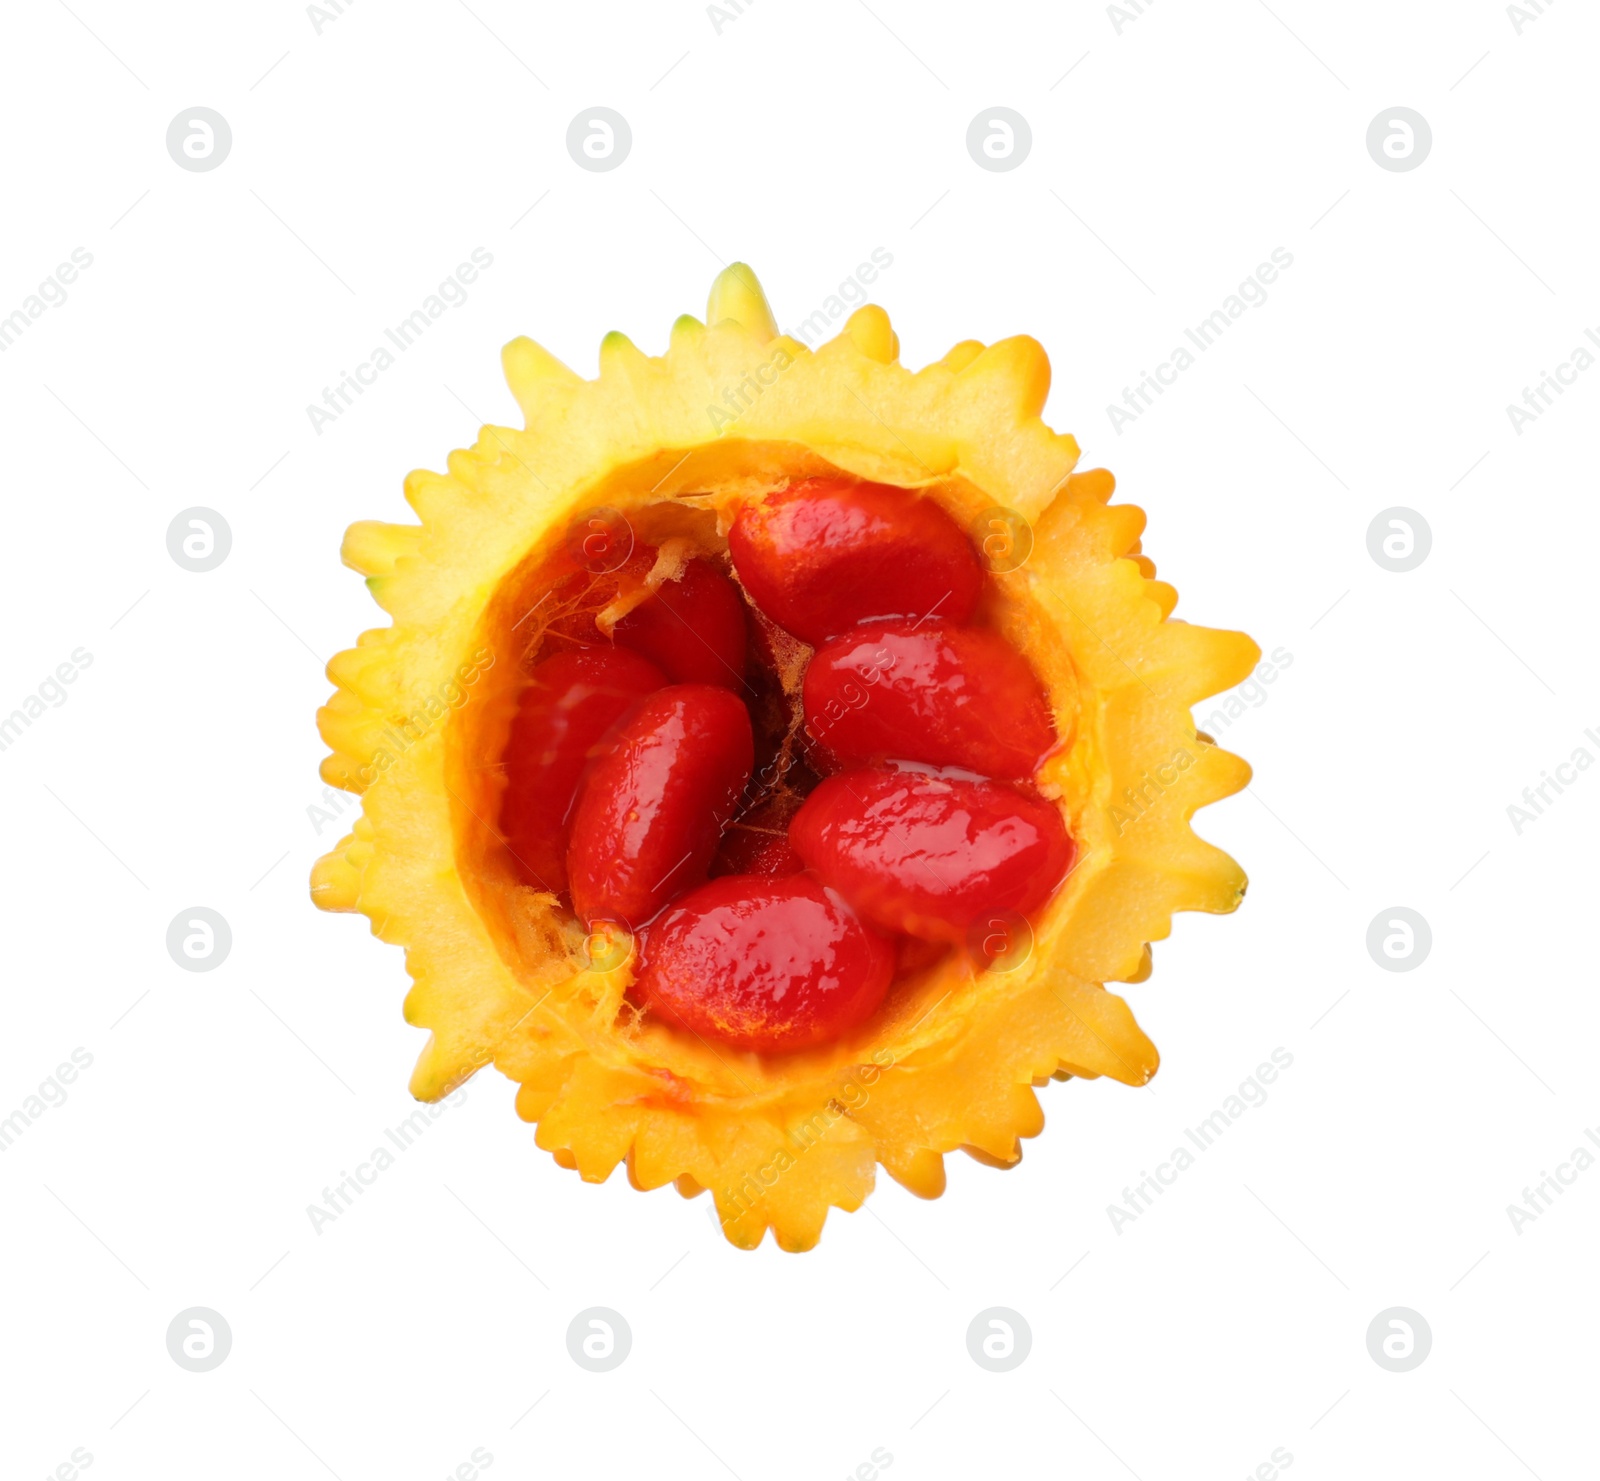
<point x="729" y="408"/>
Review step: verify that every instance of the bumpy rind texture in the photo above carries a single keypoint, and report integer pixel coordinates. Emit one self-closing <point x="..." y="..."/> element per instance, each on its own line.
<point x="732" y="406"/>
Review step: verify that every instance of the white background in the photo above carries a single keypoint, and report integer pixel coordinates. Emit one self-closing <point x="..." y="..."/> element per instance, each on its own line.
<point x="1227" y="1321"/>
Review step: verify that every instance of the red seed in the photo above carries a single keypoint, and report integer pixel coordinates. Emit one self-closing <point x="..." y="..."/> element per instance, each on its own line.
<point x="929" y="852"/>
<point x="568" y="705"/>
<point x="693" y="627"/>
<point x="652" y="808"/>
<point x="936" y="693"/>
<point x="767" y="965"/>
<point x="826" y="555"/>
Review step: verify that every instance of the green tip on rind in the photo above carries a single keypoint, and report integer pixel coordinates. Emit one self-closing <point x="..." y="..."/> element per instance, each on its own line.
<point x="736" y="294"/>
<point x="619" y="355"/>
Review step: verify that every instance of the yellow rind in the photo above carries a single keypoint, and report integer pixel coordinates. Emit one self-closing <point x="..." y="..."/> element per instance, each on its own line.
<point x="737" y="296"/>
<point x="778" y="1142"/>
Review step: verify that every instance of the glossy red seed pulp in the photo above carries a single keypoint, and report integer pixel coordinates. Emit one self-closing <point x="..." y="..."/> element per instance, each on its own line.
<point x="689" y="739"/>
<point x="692" y="627"/>
<point x="571" y="700"/>
<point x="946" y="695"/>
<point x="928" y="852"/>
<point x="768" y="965"/>
<point x="652" y="809"/>
<point x="825" y="555"/>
